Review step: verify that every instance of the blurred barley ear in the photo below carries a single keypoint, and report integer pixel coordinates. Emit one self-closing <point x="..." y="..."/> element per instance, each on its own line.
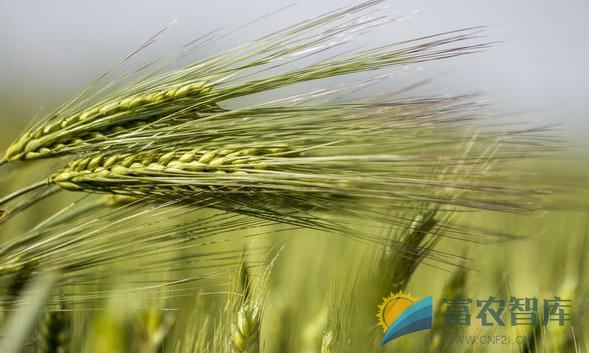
<point x="456" y="287"/>
<point x="153" y="326"/>
<point x="19" y="280"/>
<point x="55" y="331"/>
<point x="535" y="338"/>
<point x="23" y="320"/>
<point x="409" y="246"/>
<point x="327" y="342"/>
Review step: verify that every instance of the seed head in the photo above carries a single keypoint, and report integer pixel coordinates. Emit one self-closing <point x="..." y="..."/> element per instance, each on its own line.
<point x="245" y="336"/>
<point x="61" y="134"/>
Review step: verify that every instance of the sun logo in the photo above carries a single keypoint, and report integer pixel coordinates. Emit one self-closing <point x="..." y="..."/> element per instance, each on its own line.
<point x="393" y="306"/>
<point x="402" y="313"/>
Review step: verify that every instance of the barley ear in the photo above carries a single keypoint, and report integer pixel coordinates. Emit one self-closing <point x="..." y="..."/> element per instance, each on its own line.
<point x="245" y="332"/>
<point x="415" y="245"/>
<point x="55" y="331"/>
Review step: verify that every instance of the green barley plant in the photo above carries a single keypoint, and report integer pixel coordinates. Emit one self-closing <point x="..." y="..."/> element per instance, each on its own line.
<point x="233" y="324"/>
<point x="248" y="311"/>
<point x="90" y="248"/>
<point x="185" y="184"/>
<point x="182" y="105"/>
<point x="164" y="137"/>
<point x="192" y="92"/>
<point x="285" y="180"/>
<point x="251" y="163"/>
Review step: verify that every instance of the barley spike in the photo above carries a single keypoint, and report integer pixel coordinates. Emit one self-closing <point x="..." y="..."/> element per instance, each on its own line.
<point x="245" y="337"/>
<point x="99" y="122"/>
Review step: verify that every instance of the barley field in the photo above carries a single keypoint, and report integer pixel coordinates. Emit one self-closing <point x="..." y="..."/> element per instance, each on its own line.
<point x="296" y="192"/>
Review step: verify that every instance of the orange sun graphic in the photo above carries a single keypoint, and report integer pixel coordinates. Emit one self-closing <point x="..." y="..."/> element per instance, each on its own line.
<point x="393" y="306"/>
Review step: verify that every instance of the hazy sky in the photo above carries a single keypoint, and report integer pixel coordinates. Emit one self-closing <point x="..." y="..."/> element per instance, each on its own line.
<point x="49" y="48"/>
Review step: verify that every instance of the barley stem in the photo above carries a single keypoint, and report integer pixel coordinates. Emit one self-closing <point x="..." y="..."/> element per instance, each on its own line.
<point x="28" y="203"/>
<point x="23" y="191"/>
